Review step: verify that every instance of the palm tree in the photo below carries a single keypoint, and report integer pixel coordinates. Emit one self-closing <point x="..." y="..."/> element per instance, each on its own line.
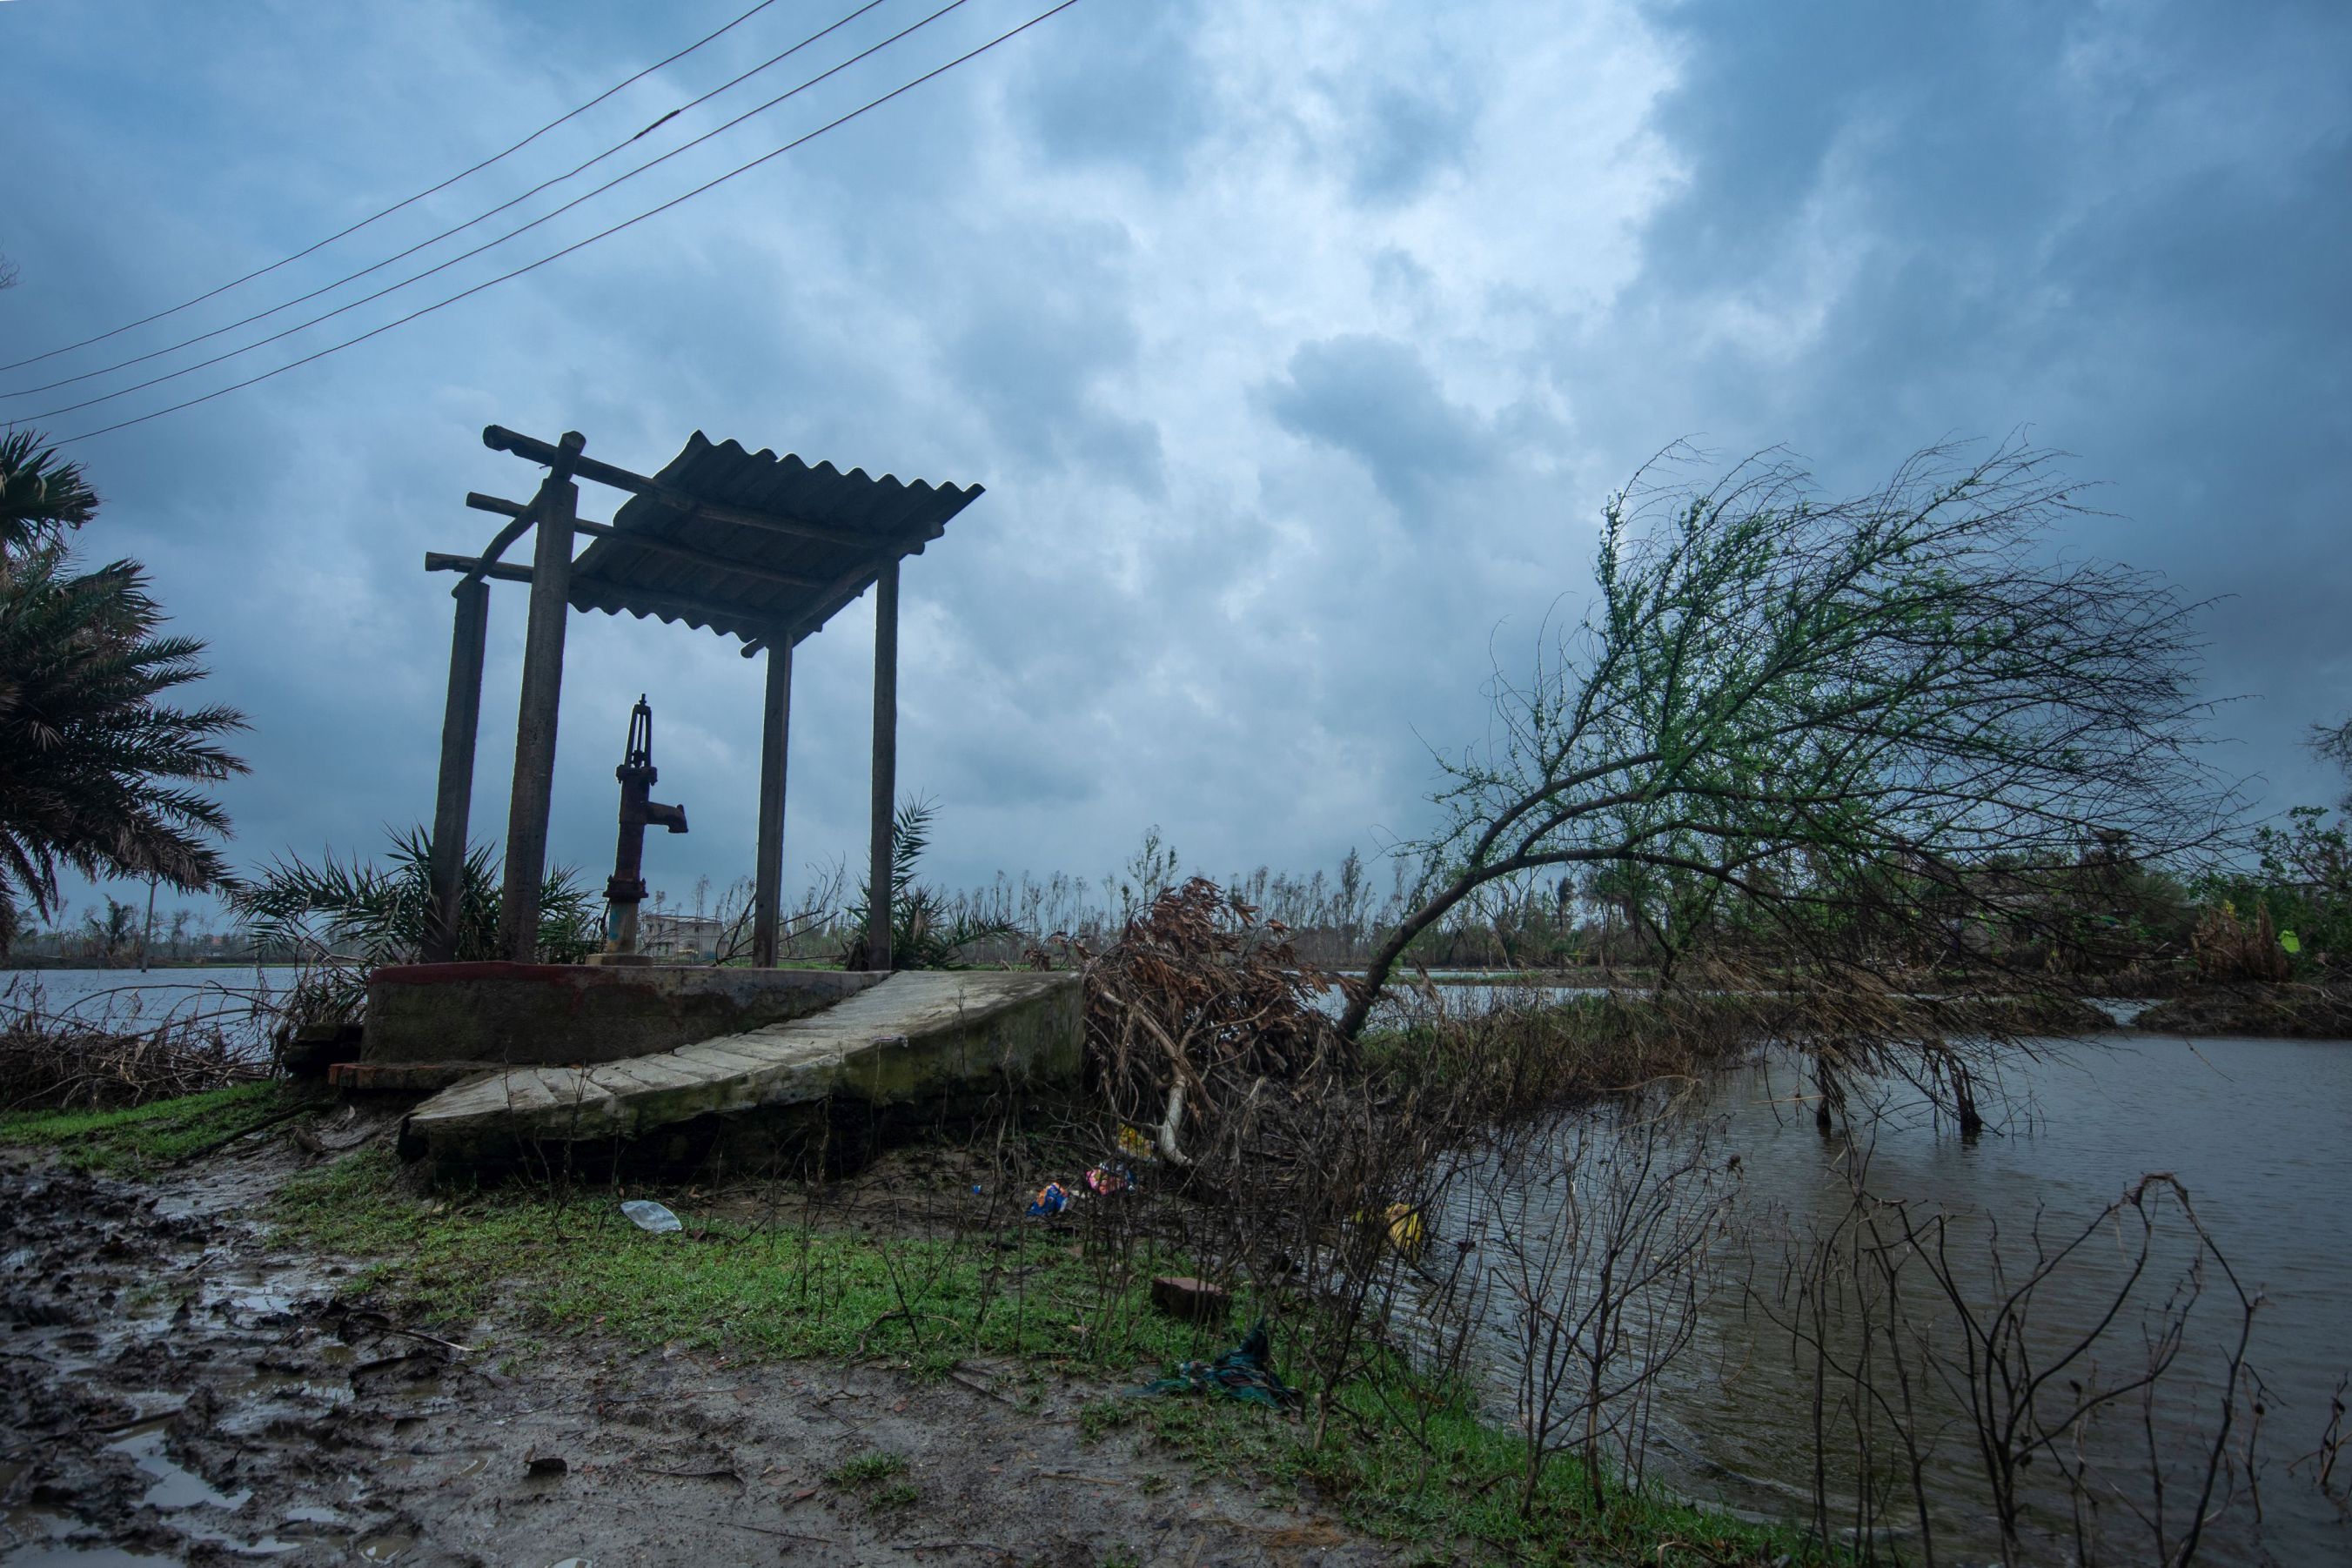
<point x="41" y="499"/>
<point x="96" y="772"/>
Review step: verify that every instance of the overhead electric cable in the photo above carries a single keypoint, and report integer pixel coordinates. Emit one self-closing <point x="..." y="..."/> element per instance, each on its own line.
<point x="411" y="201"/>
<point x="554" y="256"/>
<point x="436" y="239"/>
<point x="492" y="244"/>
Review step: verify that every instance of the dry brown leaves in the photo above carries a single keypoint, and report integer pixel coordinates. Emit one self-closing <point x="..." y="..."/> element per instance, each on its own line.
<point x="48" y="1063"/>
<point x="1198" y="992"/>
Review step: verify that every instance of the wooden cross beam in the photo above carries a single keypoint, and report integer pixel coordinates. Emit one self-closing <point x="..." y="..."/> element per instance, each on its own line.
<point x="840" y="591"/>
<point x="632" y="597"/>
<point x="498" y="438"/>
<point x="711" y="559"/>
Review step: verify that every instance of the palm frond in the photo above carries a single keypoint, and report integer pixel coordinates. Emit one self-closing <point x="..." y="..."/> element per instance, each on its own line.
<point x="93" y="765"/>
<point x="377" y="912"/>
<point x="40" y="497"/>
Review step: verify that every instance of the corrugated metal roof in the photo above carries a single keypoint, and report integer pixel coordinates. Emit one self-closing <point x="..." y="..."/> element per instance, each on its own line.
<point x="745" y="596"/>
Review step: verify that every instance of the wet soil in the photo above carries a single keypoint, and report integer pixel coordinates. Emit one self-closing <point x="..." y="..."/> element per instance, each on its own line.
<point x="2274" y="1012"/>
<point x="174" y="1390"/>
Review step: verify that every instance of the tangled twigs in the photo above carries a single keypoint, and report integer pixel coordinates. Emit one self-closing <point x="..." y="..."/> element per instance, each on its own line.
<point x="1196" y="1006"/>
<point x="56" y="1064"/>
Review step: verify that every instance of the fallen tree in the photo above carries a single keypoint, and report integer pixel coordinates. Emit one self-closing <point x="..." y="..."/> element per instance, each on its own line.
<point x="1836" y="732"/>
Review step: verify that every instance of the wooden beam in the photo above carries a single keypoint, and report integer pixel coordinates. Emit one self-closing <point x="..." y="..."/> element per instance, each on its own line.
<point x="461" y="722"/>
<point x="498" y="438"/>
<point x="474" y="566"/>
<point x="636" y="598"/>
<point x="830" y="600"/>
<point x="556" y="504"/>
<point x="710" y="558"/>
<point x="768" y="860"/>
<point x="885" y="765"/>
<point x="499" y="543"/>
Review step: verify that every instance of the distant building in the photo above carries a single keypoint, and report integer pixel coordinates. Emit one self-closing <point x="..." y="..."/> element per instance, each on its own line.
<point x="683" y="938"/>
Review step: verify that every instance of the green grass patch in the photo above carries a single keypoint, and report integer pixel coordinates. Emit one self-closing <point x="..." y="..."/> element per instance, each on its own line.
<point x="1402" y="1458"/>
<point x="897" y="1495"/>
<point x="1410" y="1463"/>
<point x="145" y="1138"/>
<point x="741" y="1289"/>
<point x="875" y="1465"/>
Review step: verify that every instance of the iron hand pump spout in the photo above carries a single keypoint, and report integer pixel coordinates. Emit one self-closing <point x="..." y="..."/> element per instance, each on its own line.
<point x="626" y="889"/>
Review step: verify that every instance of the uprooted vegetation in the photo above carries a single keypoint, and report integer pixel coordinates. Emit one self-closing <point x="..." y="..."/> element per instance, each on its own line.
<point x="1419" y="1200"/>
<point x="1206" y="1029"/>
<point x="1197" y="1008"/>
<point x="59" y="1062"/>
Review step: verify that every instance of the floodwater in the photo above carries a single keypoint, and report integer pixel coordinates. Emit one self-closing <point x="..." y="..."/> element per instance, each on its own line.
<point x="127" y="999"/>
<point x="2255" y="1130"/>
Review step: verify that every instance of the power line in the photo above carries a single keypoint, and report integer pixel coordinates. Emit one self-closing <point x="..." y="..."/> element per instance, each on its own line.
<point x="436" y="239"/>
<point x="411" y="201"/>
<point x="490" y="244"/>
<point x="555" y="255"/>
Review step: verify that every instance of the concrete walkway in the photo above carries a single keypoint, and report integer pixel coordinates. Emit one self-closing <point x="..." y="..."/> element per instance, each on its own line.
<point x="918" y="1036"/>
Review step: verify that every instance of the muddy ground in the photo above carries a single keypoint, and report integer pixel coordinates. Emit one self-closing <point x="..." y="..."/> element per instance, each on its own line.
<point x="174" y="1390"/>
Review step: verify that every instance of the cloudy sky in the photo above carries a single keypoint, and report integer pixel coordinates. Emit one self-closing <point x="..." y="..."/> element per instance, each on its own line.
<point x="1295" y="343"/>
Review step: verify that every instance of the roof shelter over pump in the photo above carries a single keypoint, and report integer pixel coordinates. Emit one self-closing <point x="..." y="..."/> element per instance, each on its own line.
<point x="747" y="544"/>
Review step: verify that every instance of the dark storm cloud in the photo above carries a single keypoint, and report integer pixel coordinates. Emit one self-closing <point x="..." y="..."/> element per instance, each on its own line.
<point x="1127" y="92"/>
<point x="2118" y="228"/>
<point x="1295" y="345"/>
<point x="1376" y="399"/>
<point x="1033" y="352"/>
<point x="1407" y="136"/>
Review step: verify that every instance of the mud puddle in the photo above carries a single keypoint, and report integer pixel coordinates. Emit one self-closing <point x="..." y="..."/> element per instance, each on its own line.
<point x="176" y="1391"/>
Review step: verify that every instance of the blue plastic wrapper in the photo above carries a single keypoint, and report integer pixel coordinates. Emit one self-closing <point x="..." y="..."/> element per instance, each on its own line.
<point x="1050" y="1199"/>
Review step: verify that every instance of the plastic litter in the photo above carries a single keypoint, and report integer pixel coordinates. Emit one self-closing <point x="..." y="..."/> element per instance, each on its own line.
<point x="1108" y="1179"/>
<point x="1050" y="1199"/>
<point x="1135" y="1143"/>
<point x="1405" y="1226"/>
<point x="1244" y="1372"/>
<point x="648" y="1215"/>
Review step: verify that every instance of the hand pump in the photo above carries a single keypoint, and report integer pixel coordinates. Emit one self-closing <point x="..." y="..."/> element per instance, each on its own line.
<point x="626" y="889"/>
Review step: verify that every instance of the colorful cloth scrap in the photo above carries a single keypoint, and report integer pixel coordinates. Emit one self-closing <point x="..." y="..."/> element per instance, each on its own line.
<point x="1244" y="1372"/>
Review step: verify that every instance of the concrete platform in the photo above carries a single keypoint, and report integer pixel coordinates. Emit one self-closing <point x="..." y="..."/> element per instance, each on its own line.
<point x="910" y="1038"/>
<point x="422" y="1015"/>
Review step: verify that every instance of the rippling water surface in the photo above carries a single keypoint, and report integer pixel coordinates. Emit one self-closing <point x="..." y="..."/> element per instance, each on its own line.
<point x="2259" y="1132"/>
<point x="126" y="998"/>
